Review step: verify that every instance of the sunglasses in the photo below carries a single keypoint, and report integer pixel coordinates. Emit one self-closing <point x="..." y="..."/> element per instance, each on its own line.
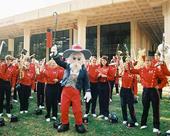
<point x="74" y="58"/>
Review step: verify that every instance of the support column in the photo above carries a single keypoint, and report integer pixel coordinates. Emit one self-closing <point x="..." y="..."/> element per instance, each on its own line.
<point x="98" y="41"/>
<point x="134" y="39"/>
<point x="11" y="46"/>
<point x="81" y="24"/>
<point x="144" y="41"/>
<point x="47" y="54"/>
<point x="75" y="36"/>
<point x="27" y="35"/>
<point x="166" y="14"/>
<point x="147" y="43"/>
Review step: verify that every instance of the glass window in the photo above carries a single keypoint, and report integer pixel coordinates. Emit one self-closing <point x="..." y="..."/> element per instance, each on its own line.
<point x="4" y="48"/>
<point x="61" y="39"/>
<point x="38" y="46"/>
<point x="112" y="35"/>
<point x="91" y="39"/>
<point x="18" y="46"/>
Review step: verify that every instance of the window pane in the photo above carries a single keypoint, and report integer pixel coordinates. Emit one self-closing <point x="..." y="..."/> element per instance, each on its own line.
<point x="91" y="39"/>
<point x="61" y="40"/>
<point x="18" y="46"/>
<point x="111" y="36"/>
<point x="38" y="46"/>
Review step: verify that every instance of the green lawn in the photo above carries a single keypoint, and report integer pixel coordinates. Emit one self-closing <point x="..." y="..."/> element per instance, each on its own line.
<point x="33" y="125"/>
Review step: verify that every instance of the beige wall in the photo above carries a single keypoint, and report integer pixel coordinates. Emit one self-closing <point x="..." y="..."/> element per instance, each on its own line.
<point x="11" y="46"/>
<point x="139" y="39"/>
<point x="27" y="35"/>
<point x="166" y="14"/>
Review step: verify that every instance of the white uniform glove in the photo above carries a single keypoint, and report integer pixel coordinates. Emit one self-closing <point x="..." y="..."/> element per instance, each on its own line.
<point x="87" y="96"/>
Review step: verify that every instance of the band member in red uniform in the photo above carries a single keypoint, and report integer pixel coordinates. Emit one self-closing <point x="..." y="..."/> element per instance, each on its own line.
<point x="40" y="77"/>
<point x="51" y="90"/>
<point x="149" y="76"/>
<point x="25" y="82"/>
<point x="74" y="79"/>
<point x="127" y="95"/>
<point x="7" y="83"/>
<point x="92" y="72"/>
<point x="103" y="87"/>
<point x="113" y="69"/>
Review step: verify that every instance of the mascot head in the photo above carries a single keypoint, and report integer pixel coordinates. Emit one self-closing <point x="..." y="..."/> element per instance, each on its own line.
<point x="76" y="57"/>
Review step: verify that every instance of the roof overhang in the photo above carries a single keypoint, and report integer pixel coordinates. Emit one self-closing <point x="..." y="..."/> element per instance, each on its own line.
<point x="148" y="13"/>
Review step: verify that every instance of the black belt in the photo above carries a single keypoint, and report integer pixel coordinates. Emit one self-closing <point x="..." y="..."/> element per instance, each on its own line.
<point x="4" y="81"/>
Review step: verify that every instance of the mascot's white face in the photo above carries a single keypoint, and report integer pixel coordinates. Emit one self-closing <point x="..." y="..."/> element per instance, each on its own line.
<point x="76" y="61"/>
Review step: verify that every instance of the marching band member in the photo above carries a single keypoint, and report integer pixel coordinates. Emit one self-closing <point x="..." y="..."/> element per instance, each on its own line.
<point x="149" y="76"/>
<point x="103" y="87"/>
<point x="51" y="90"/>
<point x="26" y="76"/>
<point x="113" y="68"/>
<point x="127" y="95"/>
<point x="7" y="83"/>
<point x="92" y="72"/>
<point x="40" y="78"/>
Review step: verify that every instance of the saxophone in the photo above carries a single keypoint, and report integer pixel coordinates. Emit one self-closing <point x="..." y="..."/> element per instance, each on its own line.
<point x="20" y="63"/>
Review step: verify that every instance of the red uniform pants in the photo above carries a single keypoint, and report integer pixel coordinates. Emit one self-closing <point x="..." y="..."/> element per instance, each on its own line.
<point x="70" y="94"/>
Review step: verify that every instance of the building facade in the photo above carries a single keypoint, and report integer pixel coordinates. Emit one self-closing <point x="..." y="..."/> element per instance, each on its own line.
<point x="100" y="26"/>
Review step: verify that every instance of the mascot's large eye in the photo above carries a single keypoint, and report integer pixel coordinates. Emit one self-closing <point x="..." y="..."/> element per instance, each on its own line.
<point x="74" y="58"/>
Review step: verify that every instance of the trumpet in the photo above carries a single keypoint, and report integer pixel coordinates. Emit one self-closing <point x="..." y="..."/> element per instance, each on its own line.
<point x="21" y="62"/>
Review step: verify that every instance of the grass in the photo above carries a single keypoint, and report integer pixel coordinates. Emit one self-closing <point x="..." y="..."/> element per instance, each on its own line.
<point x="33" y="125"/>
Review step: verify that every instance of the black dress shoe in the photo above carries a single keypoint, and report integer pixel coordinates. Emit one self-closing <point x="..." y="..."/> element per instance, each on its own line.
<point x="80" y="128"/>
<point x="47" y="116"/>
<point x="2" y="122"/>
<point x="38" y="111"/>
<point x="14" y="118"/>
<point x="56" y="124"/>
<point x="63" y="127"/>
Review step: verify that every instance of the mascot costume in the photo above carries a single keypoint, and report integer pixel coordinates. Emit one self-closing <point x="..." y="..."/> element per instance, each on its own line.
<point x="75" y="78"/>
